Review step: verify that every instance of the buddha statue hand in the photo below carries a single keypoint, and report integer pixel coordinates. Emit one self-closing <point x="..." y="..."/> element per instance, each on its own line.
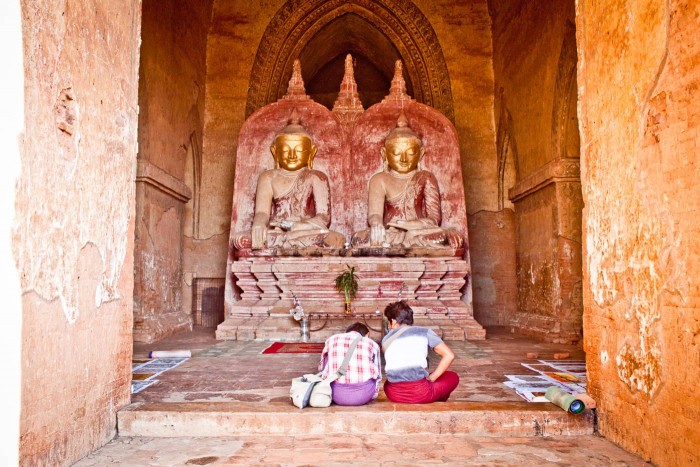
<point x="416" y="224"/>
<point x="454" y="238"/>
<point x="377" y="234"/>
<point x="308" y="225"/>
<point x="296" y="226"/>
<point x="259" y="236"/>
<point x="284" y="225"/>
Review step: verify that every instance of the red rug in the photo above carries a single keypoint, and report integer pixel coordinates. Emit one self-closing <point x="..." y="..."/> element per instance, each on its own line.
<point x="295" y="347"/>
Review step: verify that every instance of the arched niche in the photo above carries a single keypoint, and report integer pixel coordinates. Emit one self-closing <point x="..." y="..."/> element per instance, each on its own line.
<point x="319" y="31"/>
<point x="374" y="55"/>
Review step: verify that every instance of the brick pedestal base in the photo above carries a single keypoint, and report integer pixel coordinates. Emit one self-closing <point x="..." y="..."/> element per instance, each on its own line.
<point x="433" y="286"/>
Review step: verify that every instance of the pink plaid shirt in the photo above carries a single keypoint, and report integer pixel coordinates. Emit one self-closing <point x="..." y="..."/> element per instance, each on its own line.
<point x="365" y="363"/>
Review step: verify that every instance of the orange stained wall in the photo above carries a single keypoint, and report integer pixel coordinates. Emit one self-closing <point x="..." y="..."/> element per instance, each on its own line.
<point x="638" y="75"/>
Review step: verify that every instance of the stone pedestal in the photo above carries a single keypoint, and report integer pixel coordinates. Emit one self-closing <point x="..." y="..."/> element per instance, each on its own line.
<point x="548" y="208"/>
<point x="431" y="285"/>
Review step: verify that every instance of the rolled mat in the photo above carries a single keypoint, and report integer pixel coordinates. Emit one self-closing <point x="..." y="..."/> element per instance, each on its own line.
<point x="170" y="354"/>
<point x="563" y="399"/>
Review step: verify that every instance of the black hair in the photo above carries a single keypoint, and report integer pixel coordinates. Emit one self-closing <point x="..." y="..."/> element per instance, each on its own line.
<point x="399" y="312"/>
<point x="358" y="327"/>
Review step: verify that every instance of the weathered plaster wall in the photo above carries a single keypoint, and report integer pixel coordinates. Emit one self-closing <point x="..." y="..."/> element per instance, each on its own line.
<point x="464" y="32"/>
<point x="73" y="241"/>
<point x="640" y="116"/>
<point x="534" y="60"/>
<point x="171" y="101"/>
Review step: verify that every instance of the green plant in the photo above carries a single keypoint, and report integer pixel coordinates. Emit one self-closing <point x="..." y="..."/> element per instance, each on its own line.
<point x="346" y="282"/>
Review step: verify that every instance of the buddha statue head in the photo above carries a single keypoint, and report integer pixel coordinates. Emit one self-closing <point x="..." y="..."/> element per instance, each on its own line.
<point x="293" y="148"/>
<point x="403" y="148"/>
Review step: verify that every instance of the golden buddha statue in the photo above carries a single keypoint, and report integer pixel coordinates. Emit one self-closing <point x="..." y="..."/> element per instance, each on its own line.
<point x="292" y="201"/>
<point x="404" y="201"/>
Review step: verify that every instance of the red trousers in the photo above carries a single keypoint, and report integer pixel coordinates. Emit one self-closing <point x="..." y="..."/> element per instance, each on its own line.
<point x="423" y="391"/>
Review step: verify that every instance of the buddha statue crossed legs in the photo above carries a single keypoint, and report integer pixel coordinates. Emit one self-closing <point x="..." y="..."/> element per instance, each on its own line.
<point x="404" y="202"/>
<point x="292" y="201"/>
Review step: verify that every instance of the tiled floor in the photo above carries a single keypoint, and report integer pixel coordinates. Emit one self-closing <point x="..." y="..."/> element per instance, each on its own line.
<point x="230" y="371"/>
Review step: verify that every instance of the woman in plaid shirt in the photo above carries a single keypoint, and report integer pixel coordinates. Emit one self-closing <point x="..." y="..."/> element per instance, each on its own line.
<point x="360" y="384"/>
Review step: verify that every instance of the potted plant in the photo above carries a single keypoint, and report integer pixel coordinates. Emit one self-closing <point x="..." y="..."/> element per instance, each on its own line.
<point x="346" y="282"/>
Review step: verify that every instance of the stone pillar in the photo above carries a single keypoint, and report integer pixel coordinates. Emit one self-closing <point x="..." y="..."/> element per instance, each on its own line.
<point x="160" y="204"/>
<point x="548" y="208"/>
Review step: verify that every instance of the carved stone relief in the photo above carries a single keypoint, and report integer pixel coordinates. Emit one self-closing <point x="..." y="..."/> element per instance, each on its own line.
<point x="404" y="24"/>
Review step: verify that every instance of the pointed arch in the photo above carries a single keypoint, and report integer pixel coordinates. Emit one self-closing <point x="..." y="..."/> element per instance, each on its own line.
<point x="296" y="23"/>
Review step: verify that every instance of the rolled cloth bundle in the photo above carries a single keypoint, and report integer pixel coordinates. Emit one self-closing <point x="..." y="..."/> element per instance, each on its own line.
<point x="564" y="400"/>
<point x="170" y="354"/>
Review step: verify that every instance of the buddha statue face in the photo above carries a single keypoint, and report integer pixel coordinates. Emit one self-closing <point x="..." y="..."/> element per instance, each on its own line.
<point x="293" y="151"/>
<point x="403" y="154"/>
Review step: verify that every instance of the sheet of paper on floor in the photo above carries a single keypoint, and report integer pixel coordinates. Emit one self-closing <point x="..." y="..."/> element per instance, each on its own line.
<point x="138" y="386"/>
<point x="143" y="371"/>
<point x="532" y="387"/>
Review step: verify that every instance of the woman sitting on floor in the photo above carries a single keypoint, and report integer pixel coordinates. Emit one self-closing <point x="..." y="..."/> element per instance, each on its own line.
<point x="406" y="353"/>
<point x="360" y="383"/>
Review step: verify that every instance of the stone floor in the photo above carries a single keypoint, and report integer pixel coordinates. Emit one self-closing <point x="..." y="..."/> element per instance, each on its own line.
<point x="213" y="397"/>
<point x="236" y="371"/>
<point x="359" y="450"/>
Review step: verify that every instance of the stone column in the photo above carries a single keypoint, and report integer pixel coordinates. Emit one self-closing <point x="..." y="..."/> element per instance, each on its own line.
<point x="160" y="204"/>
<point x="548" y="208"/>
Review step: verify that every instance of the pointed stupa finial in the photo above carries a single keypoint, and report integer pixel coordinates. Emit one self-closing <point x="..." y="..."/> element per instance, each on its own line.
<point x="296" y="89"/>
<point x="397" y="91"/>
<point x="398" y="85"/>
<point x="348" y="105"/>
<point x="349" y="70"/>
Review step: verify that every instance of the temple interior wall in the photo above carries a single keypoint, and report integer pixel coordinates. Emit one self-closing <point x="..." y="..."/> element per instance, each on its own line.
<point x="75" y="214"/>
<point x="74" y="224"/>
<point x="171" y="109"/>
<point x="638" y="75"/>
<point x="534" y="61"/>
